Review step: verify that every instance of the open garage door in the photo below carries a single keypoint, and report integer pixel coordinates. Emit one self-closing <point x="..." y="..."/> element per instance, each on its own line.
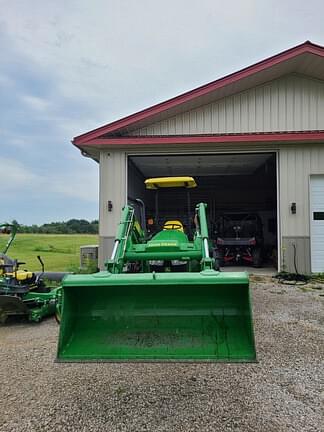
<point x="239" y="189"/>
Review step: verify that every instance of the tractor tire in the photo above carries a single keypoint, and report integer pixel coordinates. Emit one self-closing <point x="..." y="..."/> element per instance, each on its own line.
<point x="57" y="315"/>
<point x="42" y="288"/>
<point x="220" y="258"/>
<point x="58" y="307"/>
<point x="257" y="257"/>
<point x="213" y="253"/>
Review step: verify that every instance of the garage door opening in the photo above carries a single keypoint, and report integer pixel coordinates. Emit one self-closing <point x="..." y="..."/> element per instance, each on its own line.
<point x="241" y="194"/>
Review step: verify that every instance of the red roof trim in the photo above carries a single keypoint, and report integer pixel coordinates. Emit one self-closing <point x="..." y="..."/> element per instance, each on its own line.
<point x="313" y="136"/>
<point x="307" y="46"/>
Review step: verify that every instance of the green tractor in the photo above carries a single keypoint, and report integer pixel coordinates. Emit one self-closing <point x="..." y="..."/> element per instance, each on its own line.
<point x="22" y="292"/>
<point x="161" y="297"/>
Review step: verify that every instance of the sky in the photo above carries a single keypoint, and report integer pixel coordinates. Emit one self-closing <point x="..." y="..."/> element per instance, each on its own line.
<point x="67" y="67"/>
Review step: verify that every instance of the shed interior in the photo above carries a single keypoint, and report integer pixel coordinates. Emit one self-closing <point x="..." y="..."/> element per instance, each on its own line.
<point x="234" y="186"/>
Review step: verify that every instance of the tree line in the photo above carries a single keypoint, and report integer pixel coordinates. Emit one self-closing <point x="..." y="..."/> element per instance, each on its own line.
<point x="72" y="226"/>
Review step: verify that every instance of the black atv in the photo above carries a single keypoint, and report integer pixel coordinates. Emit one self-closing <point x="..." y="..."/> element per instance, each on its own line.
<point x="239" y="239"/>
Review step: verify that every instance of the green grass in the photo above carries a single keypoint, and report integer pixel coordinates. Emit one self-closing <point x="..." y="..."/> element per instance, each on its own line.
<point x="60" y="252"/>
<point x="319" y="277"/>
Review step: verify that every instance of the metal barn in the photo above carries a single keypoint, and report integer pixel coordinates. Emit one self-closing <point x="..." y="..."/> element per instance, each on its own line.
<point x="254" y="140"/>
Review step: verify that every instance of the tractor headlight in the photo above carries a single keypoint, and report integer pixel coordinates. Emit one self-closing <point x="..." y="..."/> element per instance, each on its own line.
<point x="177" y="262"/>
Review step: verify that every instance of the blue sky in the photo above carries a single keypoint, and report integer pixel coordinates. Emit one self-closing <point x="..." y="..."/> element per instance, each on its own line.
<point x="68" y="67"/>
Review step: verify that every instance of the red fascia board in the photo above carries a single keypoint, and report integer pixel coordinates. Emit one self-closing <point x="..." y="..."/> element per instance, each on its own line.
<point x="313" y="136"/>
<point x="306" y="47"/>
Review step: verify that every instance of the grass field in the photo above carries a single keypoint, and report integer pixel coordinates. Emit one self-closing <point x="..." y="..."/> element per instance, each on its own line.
<point x="60" y="252"/>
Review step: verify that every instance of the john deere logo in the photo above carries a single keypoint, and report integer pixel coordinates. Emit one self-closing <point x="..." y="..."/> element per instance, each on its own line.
<point x="163" y="244"/>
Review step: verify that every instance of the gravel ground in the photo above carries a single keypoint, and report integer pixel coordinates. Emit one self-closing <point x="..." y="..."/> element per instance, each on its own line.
<point x="282" y="392"/>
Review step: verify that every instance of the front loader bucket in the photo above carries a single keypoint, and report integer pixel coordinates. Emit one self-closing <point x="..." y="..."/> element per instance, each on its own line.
<point x="156" y="317"/>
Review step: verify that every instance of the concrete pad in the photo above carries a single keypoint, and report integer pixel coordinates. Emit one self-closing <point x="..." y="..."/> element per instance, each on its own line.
<point x="264" y="271"/>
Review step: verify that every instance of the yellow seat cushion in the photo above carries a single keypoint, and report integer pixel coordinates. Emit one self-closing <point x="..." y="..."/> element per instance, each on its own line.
<point x="173" y="225"/>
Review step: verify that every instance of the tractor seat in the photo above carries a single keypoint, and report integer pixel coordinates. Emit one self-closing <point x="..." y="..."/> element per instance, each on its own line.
<point x="6" y="264"/>
<point x="173" y="225"/>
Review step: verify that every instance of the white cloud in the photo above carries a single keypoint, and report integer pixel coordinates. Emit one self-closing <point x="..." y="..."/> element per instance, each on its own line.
<point x="18" y="142"/>
<point x="75" y="184"/>
<point x="35" y="103"/>
<point x="15" y="176"/>
<point x="78" y="64"/>
<point x="119" y="56"/>
<point x="5" y="80"/>
<point x="100" y="52"/>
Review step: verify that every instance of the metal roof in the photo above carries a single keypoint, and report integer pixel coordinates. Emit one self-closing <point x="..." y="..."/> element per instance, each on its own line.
<point x="306" y="58"/>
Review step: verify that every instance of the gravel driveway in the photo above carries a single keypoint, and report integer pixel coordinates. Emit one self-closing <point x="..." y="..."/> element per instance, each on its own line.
<point x="282" y="392"/>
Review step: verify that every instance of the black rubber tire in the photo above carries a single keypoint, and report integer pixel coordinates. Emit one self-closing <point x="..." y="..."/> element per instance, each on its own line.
<point x="220" y="257"/>
<point x="42" y="288"/>
<point x="257" y="257"/>
<point x="58" y="306"/>
<point x="57" y="316"/>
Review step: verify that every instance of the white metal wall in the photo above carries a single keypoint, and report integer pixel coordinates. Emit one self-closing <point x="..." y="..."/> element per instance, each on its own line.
<point x="112" y="187"/>
<point x="291" y="103"/>
<point x="296" y="164"/>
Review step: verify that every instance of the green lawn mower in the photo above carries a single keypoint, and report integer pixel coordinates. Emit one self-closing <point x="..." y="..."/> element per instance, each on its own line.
<point x="161" y="297"/>
<point x="22" y="292"/>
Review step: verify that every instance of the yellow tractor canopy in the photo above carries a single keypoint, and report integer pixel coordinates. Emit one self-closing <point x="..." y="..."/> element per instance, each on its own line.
<point x="168" y="182"/>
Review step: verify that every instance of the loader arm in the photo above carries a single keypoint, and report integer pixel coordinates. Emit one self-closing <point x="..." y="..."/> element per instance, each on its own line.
<point x="128" y="232"/>
<point x="130" y="244"/>
<point x="202" y="233"/>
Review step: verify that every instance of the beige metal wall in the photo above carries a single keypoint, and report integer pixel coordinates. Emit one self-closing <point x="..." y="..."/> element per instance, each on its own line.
<point x="112" y="187"/>
<point x="291" y="103"/>
<point x="296" y="164"/>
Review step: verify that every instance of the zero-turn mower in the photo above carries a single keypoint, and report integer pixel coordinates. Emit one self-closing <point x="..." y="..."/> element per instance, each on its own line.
<point x="160" y="298"/>
<point x="22" y="292"/>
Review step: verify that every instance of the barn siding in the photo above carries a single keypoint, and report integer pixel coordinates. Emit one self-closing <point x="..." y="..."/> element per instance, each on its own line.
<point x="291" y="103"/>
<point x="112" y="187"/>
<point x="296" y="164"/>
